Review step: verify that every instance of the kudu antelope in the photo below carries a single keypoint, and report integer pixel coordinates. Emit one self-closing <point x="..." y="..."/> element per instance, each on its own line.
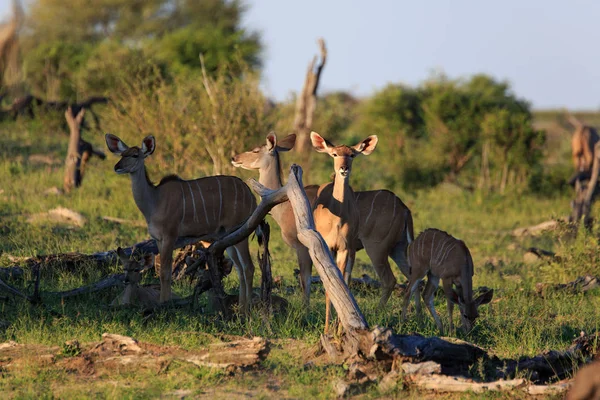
<point x="133" y="266"/>
<point x="385" y="223"/>
<point x="266" y="159"/>
<point x="438" y="255"/>
<point x="587" y="383"/>
<point x="335" y="210"/>
<point x="583" y="142"/>
<point x="200" y="208"/>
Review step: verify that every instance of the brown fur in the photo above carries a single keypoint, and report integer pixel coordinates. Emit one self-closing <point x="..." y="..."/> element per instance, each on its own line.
<point x="438" y="255"/>
<point x="202" y="208"/>
<point x="385" y="227"/>
<point x="587" y="383"/>
<point x="336" y="211"/>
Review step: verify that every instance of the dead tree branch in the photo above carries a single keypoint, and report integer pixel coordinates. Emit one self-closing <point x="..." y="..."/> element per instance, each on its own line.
<point x="307" y="101"/>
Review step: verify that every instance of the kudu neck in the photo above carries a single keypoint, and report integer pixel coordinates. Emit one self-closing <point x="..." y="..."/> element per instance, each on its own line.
<point x="270" y="176"/>
<point x="341" y="187"/>
<point x="145" y="193"/>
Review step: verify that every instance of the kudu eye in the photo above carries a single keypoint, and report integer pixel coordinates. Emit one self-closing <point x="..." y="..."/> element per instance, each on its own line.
<point x="334" y="154"/>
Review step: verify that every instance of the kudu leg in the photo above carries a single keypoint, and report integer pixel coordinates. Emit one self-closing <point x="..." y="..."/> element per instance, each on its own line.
<point x="449" y="305"/>
<point x="166" y="247"/>
<point x="248" y="271"/>
<point x="383" y="269"/>
<point x="428" y="297"/>
<point x="411" y="290"/>
<point x="305" y="263"/>
<point x="399" y="256"/>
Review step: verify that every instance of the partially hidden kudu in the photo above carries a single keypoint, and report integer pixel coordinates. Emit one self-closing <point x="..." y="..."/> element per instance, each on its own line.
<point x="385" y="222"/>
<point x="335" y="211"/>
<point x="438" y="255"/>
<point x="201" y="208"/>
<point x="587" y="383"/>
<point x="585" y="148"/>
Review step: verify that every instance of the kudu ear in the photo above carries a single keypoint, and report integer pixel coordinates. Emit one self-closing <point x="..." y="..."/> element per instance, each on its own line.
<point x="271" y="141"/>
<point x="287" y="143"/>
<point x="148" y="261"/>
<point x="367" y="146"/>
<point x="319" y="143"/>
<point x="148" y="145"/>
<point x="484" y="298"/>
<point x="114" y="144"/>
<point x="122" y="256"/>
<point x="454" y="297"/>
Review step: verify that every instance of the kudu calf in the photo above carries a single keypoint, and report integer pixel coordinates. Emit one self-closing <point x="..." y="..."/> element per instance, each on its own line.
<point x="438" y="255"/>
<point x="335" y="211"/>
<point x="200" y="208"/>
<point x="385" y="223"/>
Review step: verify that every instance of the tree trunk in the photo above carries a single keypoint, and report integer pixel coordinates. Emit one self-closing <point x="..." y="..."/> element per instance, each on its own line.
<point x="307" y="102"/>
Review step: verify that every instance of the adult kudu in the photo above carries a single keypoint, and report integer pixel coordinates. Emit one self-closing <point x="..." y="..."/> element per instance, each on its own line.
<point x="385" y="222"/>
<point x="335" y="210"/>
<point x="201" y="208"/>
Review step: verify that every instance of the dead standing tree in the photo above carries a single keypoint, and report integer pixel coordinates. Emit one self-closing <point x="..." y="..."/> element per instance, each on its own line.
<point x="78" y="153"/>
<point x="9" y="47"/>
<point x="307" y="102"/>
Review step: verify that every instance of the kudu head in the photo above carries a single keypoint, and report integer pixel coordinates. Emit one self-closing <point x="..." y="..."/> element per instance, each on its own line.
<point x="264" y="156"/>
<point x="343" y="155"/>
<point x="134" y="265"/>
<point x="468" y="309"/>
<point x="132" y="158"/>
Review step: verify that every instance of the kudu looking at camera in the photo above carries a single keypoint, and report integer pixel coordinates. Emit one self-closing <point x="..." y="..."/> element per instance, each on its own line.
<point x="438" y="255"/>
<point x="335" y="211"/>
<point x="201" y="208"/>
<point x="385" y="223"/>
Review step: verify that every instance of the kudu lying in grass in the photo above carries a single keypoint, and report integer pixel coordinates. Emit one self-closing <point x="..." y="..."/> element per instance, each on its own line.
<point x="385" y="223"/>
<point x="201" y="208"/>
<point x="336" y="211"/>
<point x="438" y="255"/>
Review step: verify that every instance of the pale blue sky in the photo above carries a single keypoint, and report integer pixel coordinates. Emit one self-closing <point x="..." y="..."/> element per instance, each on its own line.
<point x="547" y="49"/>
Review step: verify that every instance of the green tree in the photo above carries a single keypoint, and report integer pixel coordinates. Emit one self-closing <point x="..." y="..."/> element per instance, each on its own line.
<point x="168" y="32"/>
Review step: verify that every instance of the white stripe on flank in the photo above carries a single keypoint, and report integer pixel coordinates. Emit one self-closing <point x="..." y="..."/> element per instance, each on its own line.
<point x="183" y="197"/>
<point x="203" y="202"/>
<point x="450" y="248"/>
<point x="432" y="246"/>
<point x="193" y="201"/>
<point x="220" y="198"/>
<point x="235" y="198"/>
<point x="372" y="204"/>
<point x="440" y="251"/>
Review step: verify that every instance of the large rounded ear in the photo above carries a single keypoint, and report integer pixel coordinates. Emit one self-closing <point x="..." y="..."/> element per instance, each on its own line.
<point x="114" y="144"/>
<point x="367" y="146"/>
<point x="287" y="143"/>
<point x="319" y="143"/>
<point x="148" y="145"/>
<point x="122" y="256"/>
<point x="271" y="141"/>
<point x="484" y="298"/>
<point x="148" y="261"/>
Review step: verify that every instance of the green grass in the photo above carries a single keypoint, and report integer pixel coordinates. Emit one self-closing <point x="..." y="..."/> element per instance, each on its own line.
<point x="517" y="323"/>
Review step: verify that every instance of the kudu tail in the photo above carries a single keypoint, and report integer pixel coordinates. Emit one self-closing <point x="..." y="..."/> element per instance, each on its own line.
<point x="408" y="227"/>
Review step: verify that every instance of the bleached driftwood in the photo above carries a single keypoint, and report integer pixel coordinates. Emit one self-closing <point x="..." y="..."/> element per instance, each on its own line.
<point x="579" y="285"/>
<point x="538" y="229"/>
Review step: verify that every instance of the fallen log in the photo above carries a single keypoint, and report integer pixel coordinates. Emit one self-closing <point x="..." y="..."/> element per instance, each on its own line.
<point x="538" y="229"/>
<point x="579" y="285"/>
<point x="106" y="283"/>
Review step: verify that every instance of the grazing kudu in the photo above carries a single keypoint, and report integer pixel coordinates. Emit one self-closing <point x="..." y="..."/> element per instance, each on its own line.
<point x="200" y="208"/>
<point x="266" y="159"/>
<point x="335" y="211"/>
<point x="587" y="383"/>
<point x="385" y="227"/>
<point x="438" y="255"/>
